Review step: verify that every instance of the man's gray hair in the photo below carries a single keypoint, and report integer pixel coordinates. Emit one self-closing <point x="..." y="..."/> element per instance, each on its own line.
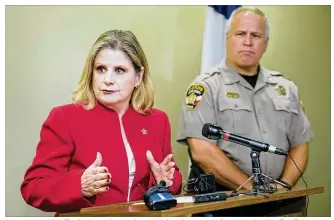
<point x="250" y="9"/>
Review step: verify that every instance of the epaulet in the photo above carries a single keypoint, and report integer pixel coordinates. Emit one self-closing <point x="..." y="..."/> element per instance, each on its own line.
<point x="275" y="73"/>
<point x="210" y="72"/>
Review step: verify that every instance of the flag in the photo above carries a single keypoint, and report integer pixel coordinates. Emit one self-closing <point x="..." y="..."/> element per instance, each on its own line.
<point x="213" y="50"/>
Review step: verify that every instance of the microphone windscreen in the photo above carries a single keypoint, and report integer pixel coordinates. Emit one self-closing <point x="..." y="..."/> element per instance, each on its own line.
<point x="205" y="129"/>
<point x="162" y="183"/>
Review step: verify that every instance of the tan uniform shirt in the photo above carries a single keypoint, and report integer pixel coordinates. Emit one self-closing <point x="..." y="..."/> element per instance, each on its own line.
<point x="270" y="112"/>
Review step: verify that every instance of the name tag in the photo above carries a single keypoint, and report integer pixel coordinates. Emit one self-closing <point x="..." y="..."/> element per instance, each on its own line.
<point x="232" y="95"/>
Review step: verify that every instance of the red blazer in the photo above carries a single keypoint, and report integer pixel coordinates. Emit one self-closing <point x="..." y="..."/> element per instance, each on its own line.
<point x="70" y="138"/>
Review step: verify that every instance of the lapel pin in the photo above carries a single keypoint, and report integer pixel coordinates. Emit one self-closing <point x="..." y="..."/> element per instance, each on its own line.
<point x="144" y="131"/>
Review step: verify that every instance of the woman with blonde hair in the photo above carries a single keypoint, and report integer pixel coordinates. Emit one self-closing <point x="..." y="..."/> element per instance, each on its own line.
<point x="111" y="117"/>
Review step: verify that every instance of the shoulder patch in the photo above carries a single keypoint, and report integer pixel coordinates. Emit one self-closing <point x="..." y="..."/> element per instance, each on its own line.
<point x="194" y="95"/>
<point x="302" y="105"/>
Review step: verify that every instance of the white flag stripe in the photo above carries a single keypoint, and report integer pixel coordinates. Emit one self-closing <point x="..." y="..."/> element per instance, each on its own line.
<point x="213" y="49"/>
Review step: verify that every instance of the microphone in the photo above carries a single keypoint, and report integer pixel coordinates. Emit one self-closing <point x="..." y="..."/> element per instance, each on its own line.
<point x="215" y="132"/>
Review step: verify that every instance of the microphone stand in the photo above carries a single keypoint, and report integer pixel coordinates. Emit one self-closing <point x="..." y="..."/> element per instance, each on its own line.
<point x="260" y="186"/>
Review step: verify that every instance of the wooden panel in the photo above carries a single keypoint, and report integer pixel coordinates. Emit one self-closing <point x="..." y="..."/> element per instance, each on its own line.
<point x="186" y="209"/>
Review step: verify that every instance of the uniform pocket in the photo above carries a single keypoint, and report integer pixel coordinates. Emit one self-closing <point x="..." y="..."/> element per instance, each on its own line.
<point x="285" y="108"/>
<point x="234" y="114"/>
<point x="286" y="105"/>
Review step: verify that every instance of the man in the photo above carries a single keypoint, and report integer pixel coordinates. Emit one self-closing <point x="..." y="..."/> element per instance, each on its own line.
<point x="246" y="99"/>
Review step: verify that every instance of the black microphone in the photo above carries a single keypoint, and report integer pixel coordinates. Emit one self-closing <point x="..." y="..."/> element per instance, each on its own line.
<point x="215" y="132"/>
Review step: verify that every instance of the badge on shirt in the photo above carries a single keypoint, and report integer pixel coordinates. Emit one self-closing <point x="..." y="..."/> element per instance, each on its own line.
<point x="280" y="89"/>
<point x="194" y="95"/>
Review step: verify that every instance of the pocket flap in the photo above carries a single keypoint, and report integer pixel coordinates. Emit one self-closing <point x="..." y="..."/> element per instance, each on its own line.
<point x="233" y="104"/>
<point x="286" y="105"/>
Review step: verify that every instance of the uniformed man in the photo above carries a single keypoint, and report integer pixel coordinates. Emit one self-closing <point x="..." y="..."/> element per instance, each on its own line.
<point x="249" y="100"/>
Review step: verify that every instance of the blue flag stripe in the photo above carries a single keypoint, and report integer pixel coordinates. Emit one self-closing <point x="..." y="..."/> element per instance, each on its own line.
<point x="225" y="10"/>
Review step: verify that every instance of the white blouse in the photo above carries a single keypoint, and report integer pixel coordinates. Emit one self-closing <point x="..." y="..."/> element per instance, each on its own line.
<point x="131" y="159"/>
<point x="132" y="166"/>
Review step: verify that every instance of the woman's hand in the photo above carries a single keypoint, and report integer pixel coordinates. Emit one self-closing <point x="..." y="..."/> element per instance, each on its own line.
<point x="95" y="179"/>
<point x="163" y="171"/>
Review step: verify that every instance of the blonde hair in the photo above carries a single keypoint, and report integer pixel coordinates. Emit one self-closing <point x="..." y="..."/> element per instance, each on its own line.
<point x="142" y="98"/>
<point x="250" y="9"/>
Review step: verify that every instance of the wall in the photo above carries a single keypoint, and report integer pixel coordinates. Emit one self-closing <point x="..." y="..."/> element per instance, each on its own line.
<point x="299" y="47"/>
<point x="46" y="47"/>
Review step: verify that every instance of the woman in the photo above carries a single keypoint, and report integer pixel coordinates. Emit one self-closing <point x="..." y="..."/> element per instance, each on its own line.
<point x="110" y="145"/>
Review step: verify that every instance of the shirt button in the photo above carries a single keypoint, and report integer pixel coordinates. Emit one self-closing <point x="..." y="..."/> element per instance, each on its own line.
<point x="236" y="105"/>
<point x="264" y="131"/>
